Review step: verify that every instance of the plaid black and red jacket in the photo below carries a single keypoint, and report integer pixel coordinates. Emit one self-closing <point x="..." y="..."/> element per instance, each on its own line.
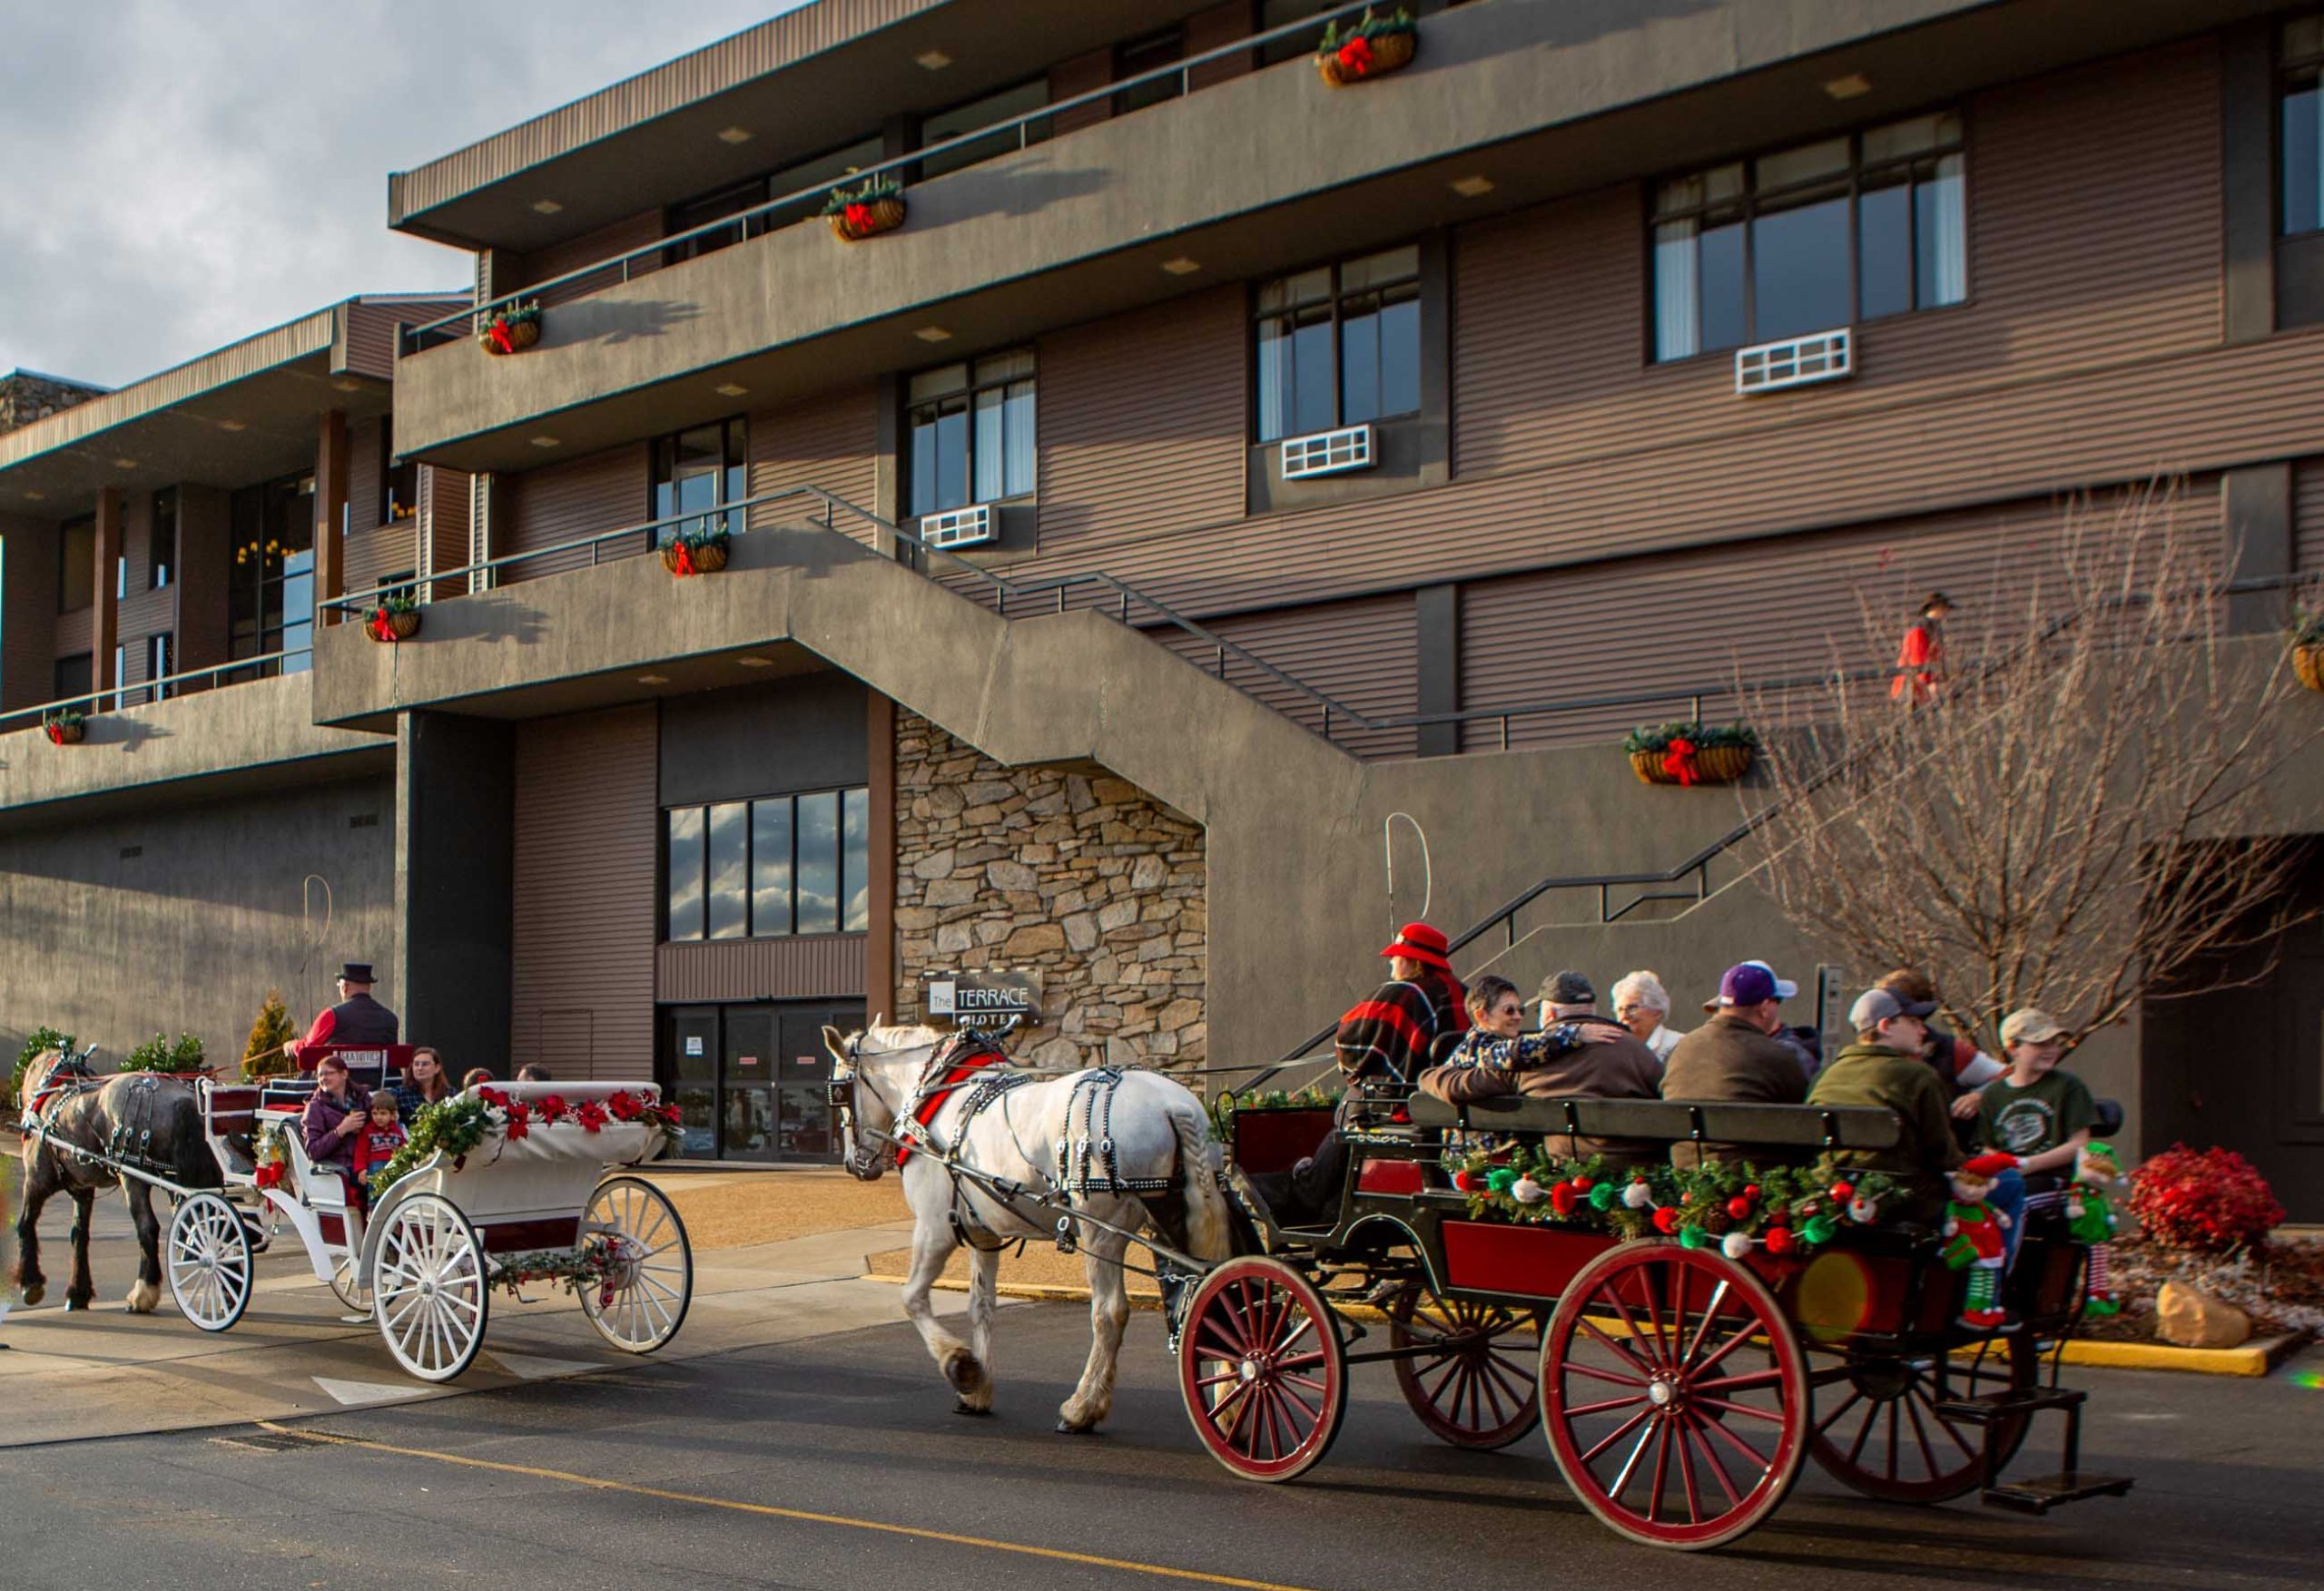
<point x="1382" y="1041"/>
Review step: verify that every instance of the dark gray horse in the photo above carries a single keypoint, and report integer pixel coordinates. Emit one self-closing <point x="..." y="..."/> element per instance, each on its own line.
<point x="139" y="1117"/>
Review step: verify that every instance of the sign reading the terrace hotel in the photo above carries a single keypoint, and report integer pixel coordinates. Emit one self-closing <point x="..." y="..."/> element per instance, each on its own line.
<point x="983" y="1000"/>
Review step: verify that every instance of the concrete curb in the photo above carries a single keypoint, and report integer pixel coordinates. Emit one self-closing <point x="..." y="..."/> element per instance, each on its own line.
<point x="2257" y="1358"/>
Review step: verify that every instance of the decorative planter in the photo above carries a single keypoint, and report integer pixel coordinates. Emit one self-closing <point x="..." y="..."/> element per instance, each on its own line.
<point x="66" y="734"/>
<point x="1713" y="765"/>
<point x="2307" y="664"/>
<point x="707" y="557"/>
<point x="509" y="337"/>
<point x="389" y="628"/>
<point x="1382" y="54"/>
<point x="859" y="222"/>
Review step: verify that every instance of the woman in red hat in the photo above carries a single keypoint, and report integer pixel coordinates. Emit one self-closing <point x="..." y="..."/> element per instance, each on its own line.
<point x="1383" y="1044"/>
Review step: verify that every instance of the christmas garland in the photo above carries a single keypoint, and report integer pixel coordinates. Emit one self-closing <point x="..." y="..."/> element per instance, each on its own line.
<point x="598" y="1264"/>
<point x="453" y="1127"/>
<point x="1784" y="1209"/>
<point x="511" y="328"/>
<point x="854" y="204"/>
<point x="64" y="726"/>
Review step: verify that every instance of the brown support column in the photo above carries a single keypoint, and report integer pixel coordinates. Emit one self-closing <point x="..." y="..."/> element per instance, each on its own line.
<point x="330" y="515"/>
<point x="879" y="881"/>
<point x="105" y="628"/>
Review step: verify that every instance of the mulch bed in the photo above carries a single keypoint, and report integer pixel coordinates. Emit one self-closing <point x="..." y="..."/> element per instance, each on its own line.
<point x="2280" y="1285"/>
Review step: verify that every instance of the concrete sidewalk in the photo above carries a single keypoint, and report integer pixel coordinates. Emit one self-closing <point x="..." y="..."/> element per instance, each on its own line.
<point x="104" y="1372"/>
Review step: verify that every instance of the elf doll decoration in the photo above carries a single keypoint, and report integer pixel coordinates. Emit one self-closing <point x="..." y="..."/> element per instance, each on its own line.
<point x="1976" y="1240"/>
<point x="1920" y="658"/>
<point x="2090" y="1208"/>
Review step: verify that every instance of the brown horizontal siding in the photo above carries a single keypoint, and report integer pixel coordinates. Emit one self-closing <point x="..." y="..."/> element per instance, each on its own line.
<point x="370" y="329"/>
<point x="28" y="620"/>
<point x="748" y="969"/>
<point x="445" y="496"/>
<point x="559" y="502"/>
<point x="619" y="237"/>
<point x="582" y="979"/>
<point x="2308" y="515"/>
<point x="1363" y="654"/>
<point x="1142" y="423"/>
<point x="75" y="632"/>
<point x="830" y="441"/>
<point x="1715" y="618"/>
<point x="364" y="482"/>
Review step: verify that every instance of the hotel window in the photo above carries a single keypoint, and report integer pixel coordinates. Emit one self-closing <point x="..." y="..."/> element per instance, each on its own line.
<point x="1339" y="345"/>
<point x="271" y="584"/>
<point x="75" y="676"/>
<point x="76" y="565"/>
<point x="984" y="112"/>
<point x="698" y="470"/>
<point x="2302" y="126"/>
<point x="822" y="171"/>
<point x="161" y="539"/>
<point x="157" y="665"/>
<point x="780" y="865"/>
<point x="1809" y="239"/>
<point x="1148" y="54"/>
<point x="1275" y="14"/>
<point x="399" y="482"/>
<point x="972" y="432"/>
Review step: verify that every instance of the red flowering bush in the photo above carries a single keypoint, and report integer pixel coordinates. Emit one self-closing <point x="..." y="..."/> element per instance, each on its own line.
<point x="2208" y="1199"/>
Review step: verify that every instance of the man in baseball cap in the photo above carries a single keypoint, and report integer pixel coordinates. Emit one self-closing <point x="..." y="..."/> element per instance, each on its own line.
<point x="1883" y="1067"/>
<point x="1738" y="1056"/>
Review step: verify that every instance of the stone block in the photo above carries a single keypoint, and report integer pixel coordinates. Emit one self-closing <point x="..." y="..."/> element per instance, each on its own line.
<point x="982" y="817"/>
<point x="978" y="792"/>
<point x="1148" y="873"/>
<point x="1115" y="790"/>
<point x="914" y="919"/>
<point x="1081" y="931"/>
<point x="1117" y="914"/>
<point x="941" y="801"/>
<point x="992" y="930"/>
<point x="2193" y="1319"/>
<point x="1179" y="1015"/>
<point x="945" y="891"/>
<point x="953" y="938"/>
<point x="1034" y="938"/>
<point x="936" y="865"/>
<point x="1009" y="875"/>
<point x="1036" y="855"/>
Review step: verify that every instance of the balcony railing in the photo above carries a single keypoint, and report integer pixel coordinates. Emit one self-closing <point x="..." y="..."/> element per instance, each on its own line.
<point x="93" y="703"/>
<point x="808" y="203"/>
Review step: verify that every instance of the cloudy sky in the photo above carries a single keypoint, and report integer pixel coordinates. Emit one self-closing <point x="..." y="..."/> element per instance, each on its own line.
<point x="181" y="173"/>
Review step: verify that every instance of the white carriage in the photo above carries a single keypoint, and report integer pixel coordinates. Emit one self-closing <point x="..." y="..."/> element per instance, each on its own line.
<point x="530" y="1201"/>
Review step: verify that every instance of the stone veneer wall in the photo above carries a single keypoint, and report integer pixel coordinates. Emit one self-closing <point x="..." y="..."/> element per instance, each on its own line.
<point x="1086" y="880"/>
<point x="27" y="396"/>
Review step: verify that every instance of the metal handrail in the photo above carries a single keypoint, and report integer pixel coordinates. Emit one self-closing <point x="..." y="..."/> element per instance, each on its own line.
<point x="410" y="341"/>
<point x="95" y="700"/>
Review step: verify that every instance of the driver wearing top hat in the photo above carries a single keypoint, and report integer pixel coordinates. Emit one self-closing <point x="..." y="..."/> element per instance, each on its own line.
<point x="356" y="1020"/>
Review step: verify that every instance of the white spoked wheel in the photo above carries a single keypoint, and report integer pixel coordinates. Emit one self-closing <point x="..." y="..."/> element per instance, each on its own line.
<point x="643" y="1302"/>
<point x="429" y="1291"/>
<point x="210" y="1262"/>
<point x="347" y="1284"/>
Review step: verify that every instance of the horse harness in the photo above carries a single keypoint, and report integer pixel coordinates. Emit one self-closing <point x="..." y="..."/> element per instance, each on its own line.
<point x="131" y="1142"/>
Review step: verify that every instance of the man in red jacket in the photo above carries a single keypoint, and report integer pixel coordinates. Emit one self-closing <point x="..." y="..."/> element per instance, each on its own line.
<point x="356" y="1020"/>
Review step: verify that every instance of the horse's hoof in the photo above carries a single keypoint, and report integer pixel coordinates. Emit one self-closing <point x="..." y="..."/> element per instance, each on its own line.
<point x="1068" y="1428"/>
<point x="971" y="1412"/>
<point x="144" y="1299"/>
<point x="33" y="1294"/>
<point x="72" y="1303"/>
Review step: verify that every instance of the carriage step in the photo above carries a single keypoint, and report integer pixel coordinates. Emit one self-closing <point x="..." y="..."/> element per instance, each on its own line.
<point x="1995" y="1406"/>
<point x="2039" y="1494"/>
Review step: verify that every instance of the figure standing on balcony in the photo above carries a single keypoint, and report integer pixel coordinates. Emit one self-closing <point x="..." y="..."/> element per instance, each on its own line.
<point x="357" y="1019"/>
<point x="1920" y="661"/>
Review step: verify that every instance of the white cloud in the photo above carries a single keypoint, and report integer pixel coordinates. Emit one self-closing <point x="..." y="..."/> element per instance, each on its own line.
<point x="179" y="175"/>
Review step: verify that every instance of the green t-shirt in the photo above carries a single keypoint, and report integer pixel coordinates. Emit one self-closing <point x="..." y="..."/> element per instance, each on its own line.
<point x="2040" y="1115"/>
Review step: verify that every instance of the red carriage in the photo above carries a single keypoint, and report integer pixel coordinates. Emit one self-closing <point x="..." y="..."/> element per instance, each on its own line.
<point x="1681" y="1389"/>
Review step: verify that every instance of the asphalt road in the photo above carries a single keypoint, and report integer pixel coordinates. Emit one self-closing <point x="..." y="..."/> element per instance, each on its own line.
<point x="706" y="1465"/>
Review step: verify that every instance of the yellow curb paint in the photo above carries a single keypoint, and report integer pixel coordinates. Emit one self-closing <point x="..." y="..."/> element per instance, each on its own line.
<point x="2253" y="1358"/>
<point x="599" y="1483"/>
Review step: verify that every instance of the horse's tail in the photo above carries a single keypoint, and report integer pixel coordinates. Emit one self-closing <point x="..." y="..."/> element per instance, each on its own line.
<point x="1201" y="1181"/>
<point x="192" y="1163"/>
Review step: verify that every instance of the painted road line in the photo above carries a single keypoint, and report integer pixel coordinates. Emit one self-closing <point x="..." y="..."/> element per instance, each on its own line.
<point x="599" y="1483"/>
<point x="529" y="1368"/>
<point x="362" y="1394"/>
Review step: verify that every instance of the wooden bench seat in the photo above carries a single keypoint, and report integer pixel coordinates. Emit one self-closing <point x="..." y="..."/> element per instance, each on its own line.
<point x="1786" y="1126"/>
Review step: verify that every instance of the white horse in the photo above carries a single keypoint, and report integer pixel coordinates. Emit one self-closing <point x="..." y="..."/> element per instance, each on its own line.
<point x="1047" y="1136"/>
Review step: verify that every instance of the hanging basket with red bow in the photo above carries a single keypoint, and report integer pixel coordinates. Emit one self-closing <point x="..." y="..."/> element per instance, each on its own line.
<point x="1691" y="753"/>
<point x="511" y="328"/>
<point x="64" y="728"/>
<point x="874" y="206"/>
<point x="694" y="552"/>
<point x="1371" y="47"/>
<point x="393" y="619"/>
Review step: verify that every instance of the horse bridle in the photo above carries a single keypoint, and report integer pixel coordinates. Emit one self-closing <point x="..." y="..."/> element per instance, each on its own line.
<point x="841" y="1091"/>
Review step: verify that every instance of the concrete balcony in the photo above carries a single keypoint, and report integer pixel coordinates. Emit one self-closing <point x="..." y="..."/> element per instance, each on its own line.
<point x="1261" y="173"/>
<point x="234" y="739"/>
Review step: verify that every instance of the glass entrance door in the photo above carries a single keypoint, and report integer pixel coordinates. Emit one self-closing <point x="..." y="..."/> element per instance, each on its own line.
<point x="750" y="1081"/>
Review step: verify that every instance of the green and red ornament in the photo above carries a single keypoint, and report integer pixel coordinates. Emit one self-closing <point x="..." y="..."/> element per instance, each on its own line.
<point x="1691" y="753"/>
<point x="687" y="553"/>
<point x="394" y="617"/>
<point x="511" y="328"/>
<point x="65" y="727"/>
<point x="873" y="206"/>
<point x="1372" y="46"/>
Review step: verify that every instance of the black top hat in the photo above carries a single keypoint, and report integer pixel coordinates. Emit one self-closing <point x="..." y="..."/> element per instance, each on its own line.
<point x="355" y="972"/>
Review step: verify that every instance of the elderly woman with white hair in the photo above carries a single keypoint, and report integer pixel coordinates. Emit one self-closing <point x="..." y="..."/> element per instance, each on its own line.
<point x="1643" y="1006"/>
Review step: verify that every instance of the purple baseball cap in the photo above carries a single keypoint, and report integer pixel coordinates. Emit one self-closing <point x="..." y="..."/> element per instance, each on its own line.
<point x="1752" y="983"/>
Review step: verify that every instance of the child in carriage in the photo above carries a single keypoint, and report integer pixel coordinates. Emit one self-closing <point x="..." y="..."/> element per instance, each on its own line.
<point x="381" y="1135"/>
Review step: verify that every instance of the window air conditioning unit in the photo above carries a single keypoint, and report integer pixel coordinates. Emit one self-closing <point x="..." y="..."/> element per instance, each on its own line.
<point x="1797" y="361"/>
<point x="1327" y="453"/>
<point x="959" y="528"/>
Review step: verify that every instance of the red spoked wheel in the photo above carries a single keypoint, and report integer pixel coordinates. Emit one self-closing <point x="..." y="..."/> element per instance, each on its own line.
<point x="1885" y="1437"/>
<point x="1675" y="1395"/>
<point x="1474" y="1387"/>
<point x="1261" y="1370"/>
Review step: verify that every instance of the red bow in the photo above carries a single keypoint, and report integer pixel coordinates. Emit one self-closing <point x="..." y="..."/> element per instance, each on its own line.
<point x="1355" y="55"/>
<point x="56" y="734"/>
<point x="268" y="1176"/>
<point x="381" y="630"/>
<point x="860" y="218"/>
<point x="502" y="339"/>
<point x="682" y="564"/>
<point x="1679" y="761"/>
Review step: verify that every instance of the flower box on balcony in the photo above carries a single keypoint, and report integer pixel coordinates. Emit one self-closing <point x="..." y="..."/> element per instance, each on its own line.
<point x="694" y="552"/>
<point x="1691" y="753"/>
<point x="66" y="728"/>
<point x="865" y="212"/>
<point x="1372" y="46"/>
<point x="396" y="618"/>
<point x="511" y="330"/>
